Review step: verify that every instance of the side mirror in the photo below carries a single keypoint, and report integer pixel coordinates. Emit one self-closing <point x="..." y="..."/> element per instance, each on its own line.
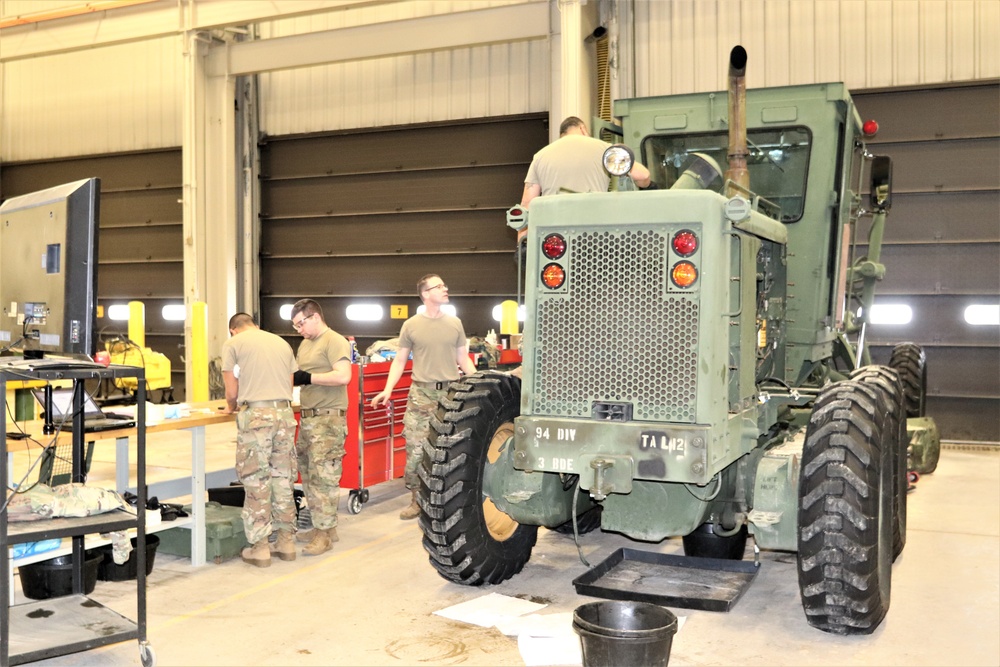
<point x="881" y="193"/>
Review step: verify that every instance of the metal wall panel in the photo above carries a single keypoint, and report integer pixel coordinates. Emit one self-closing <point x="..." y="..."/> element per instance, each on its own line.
<point x="107" y="100"/>
<point x="496" y="80"/>
<point x="943" y="217"/>
<point x="937" y="319"/>
<point x="682" y="45"/>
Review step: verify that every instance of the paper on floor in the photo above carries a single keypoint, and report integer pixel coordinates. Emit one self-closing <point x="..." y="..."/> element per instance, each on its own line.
<point x="489" y="610"/>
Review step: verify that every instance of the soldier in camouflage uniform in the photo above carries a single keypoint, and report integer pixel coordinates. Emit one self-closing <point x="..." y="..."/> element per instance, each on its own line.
<point x="260" y="392"/>
<point x="324" y="359"/>
<point x="439" y="346"/>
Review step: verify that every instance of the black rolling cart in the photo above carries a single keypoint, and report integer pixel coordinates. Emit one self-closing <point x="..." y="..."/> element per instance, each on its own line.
<point x="58" y="626"/>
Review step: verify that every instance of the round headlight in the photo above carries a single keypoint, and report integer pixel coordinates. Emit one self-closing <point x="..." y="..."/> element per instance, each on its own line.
<point x="618" y="160"/>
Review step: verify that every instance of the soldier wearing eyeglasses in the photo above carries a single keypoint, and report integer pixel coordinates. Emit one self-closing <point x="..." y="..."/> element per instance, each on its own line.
<point x="439" y="347"/>
<point x="324" y="358"/>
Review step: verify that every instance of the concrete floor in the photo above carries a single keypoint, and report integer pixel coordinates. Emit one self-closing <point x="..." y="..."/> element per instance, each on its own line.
<point x="371" y="600"/>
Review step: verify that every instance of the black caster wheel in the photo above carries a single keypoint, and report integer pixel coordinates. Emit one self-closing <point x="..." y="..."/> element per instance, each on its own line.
<point x="364" y="495"/>
<point x="354" y="502"/>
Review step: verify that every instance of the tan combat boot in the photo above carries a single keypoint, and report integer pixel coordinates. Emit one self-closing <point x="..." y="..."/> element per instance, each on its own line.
<point x="284" y="546"/>
<point x="305" y="536"/>
<point x="413" y="510"/>
<point x="333" y="534"/>
<point x="258" y="555"/>
<point x="321" y="542"/>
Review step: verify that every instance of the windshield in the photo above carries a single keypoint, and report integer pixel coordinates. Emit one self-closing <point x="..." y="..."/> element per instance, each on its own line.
<point x="778" y="162"/>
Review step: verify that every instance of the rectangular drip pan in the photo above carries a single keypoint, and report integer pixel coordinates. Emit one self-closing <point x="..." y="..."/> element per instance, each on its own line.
<point x="708" y="584"/>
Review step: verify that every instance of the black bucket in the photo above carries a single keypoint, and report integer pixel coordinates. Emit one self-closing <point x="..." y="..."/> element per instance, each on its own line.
<point x="624" y="633"/>
<point x="53" y="578"/>
<point x="112" y="571"/>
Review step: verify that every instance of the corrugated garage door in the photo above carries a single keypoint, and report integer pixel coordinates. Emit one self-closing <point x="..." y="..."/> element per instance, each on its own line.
<point x="942" y="244"/>
<point x="359" y="217"/>
<point x="140" y="252"/>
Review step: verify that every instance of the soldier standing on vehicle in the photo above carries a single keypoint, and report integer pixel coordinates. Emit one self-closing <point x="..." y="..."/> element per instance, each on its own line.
<point x="260" y="393"/>
<point x="572" y="163"/>
<point x="440" y="349"/>
<point x="324" y="359"/>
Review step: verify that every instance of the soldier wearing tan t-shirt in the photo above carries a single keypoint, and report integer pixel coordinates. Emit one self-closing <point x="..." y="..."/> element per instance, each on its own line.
<point x="261" y="395"/>
<point x="437" y="341"/>
<point x="324" y="358"/>
<point x="572" y="163"/>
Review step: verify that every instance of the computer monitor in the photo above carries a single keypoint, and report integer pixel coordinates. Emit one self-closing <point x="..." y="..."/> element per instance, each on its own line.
<point x="48" y="270"/>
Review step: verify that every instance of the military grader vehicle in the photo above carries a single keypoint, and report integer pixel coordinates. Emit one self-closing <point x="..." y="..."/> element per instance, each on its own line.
<point x="695" y="361"/>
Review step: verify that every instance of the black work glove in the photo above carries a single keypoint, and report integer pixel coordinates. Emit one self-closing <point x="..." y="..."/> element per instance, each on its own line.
<point x="301" y="377"/>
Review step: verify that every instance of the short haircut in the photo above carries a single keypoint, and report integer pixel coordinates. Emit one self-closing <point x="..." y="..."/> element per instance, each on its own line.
<point x="307" y="307"/>
<point x="571" y="122"/>
<point x="422" y="283"/>
<point x="240" y="320"/>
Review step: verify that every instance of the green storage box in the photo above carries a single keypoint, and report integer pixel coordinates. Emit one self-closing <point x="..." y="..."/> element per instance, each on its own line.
<point x="224" y="535"/>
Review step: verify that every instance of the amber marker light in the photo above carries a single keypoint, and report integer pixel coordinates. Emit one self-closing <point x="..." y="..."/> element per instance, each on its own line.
<point x="554" y="246"/>
<point x="553" y="276"/>
<point x="684" y="274"/>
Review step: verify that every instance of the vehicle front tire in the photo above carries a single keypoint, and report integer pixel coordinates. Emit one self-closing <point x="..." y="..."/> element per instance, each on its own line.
<point x="886" y="380"/>
<point x="845" y="512"/>
<point x="468" y="539"/>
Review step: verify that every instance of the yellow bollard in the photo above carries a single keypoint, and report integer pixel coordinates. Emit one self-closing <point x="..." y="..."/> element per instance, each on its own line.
<point x="199" y="351"/>
<point x="137" y="323"/>
<point x="508" y="317"/>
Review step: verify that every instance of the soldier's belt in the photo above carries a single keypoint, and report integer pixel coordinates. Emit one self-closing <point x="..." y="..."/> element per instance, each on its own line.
<point x="317" y="412"/>
<point x="433" y="385"/>
<point x="265" y="404"/>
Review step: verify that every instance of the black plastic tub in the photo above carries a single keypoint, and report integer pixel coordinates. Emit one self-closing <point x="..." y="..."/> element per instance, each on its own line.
<point x="109" y="570"/>
<point x="53" y="578"/>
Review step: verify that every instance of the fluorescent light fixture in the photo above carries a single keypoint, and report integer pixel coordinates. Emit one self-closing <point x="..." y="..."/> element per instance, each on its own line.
<point x="174" y="312"/>
<point x="364" y="312"/>
<point x="285" y="312"/>
<point x="118" y="312"/>
<point x="498" y="312"/>
<point x="981" y="314"/>
<point x="891" y="313"/>
<point x="447" y="308"/>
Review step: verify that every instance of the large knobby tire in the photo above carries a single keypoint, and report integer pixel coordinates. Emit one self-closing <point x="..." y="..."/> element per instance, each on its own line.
<point x="910" y="362"/>
<point x="845" y="512"/>
<point x="886" y="380"/>
<point x="469" y="540"/>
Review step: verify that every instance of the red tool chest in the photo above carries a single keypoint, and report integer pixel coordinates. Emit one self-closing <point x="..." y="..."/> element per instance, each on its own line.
<point x="376" y="451"/>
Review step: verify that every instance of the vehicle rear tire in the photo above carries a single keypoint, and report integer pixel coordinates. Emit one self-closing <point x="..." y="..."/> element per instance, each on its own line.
<point x="469" y="540"/>
<point x="704" y="543"/>
<point x="910" y="362"/>
<point x="845" y="512"/>
<point x="886" y="380"/>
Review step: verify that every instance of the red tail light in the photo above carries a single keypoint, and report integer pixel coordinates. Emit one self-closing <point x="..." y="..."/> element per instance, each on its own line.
<point x="554" y="246"/>
<point x="869" y="128"/>
<point x="685" y="243"/>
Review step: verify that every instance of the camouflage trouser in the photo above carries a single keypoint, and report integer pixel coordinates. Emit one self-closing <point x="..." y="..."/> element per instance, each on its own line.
<point x="265" y="465"/>
<point x="421" y="403"/>
<point x="320" y="450"/>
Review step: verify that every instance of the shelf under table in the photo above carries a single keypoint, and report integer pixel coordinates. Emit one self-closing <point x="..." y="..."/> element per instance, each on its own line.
<point x="64" y="625"/>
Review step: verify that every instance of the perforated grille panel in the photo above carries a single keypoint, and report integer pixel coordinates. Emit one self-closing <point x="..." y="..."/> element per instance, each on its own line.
<point x="616" y="334"/>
